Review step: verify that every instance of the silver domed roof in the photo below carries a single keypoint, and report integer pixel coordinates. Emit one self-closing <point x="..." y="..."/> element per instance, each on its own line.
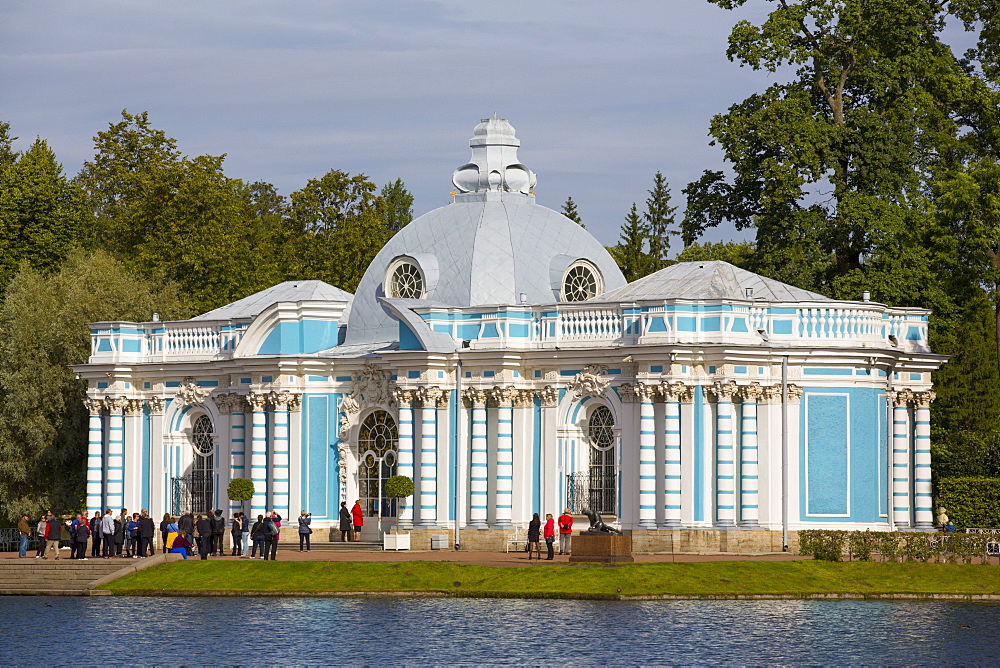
<point x="492" y="245"/>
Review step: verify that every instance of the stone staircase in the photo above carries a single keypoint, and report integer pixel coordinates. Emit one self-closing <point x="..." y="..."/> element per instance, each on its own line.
<point x="67" y="577"/>
<point x="337" y="546"/>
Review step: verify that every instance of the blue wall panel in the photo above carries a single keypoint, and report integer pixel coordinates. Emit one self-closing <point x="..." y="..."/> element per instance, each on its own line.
<point x="827" y="450"/>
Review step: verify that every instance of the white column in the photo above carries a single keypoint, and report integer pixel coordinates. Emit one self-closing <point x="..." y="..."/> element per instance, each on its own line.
<point x="504" y="397"/>
<point x="404" y="465"/>
<point x="115" y="473"/>
<point x="647" y="456"/>
<point x="95" y="457"/>
<point x="134" y="473"/>
<point x="159" y="479"/>
<point x="725" y="454"/>
<point x="923" y="501"/>
<point x="901" y="457"/>
<point x="749" y="456"/>
<point x="236" y="406"/>
<point x="280" y="401"/>
<point x="429" y="397"/>
<point x="258" y="454"/>
<point x="553" y="484"/>
<point x="672" y="453"/>
<point x="478" y="467"/>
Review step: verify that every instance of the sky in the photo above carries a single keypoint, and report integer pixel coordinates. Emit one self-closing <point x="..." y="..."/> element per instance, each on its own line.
<point x="602" y="94"/>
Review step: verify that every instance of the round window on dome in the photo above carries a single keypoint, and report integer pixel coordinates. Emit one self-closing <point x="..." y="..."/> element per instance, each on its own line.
<point x="404" y="279"/>
<point x="581" y="282"/>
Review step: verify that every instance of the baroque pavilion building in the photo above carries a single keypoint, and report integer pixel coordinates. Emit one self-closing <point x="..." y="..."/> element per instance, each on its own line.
<point x="495" y="354"/>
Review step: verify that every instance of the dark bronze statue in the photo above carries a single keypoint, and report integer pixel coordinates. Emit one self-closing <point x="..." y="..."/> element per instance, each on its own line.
<point x="597" y="525"/>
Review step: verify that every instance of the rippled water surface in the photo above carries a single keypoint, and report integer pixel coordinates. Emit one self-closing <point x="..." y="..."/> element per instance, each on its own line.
<point x="198" y="631"/>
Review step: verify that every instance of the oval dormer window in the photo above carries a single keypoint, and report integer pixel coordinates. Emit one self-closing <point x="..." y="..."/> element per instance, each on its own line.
<point x="581" y="282"/>
<point x="404" y="279"/>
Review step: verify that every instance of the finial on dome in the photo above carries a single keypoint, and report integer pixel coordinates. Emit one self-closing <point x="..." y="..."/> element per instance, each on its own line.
<point x="494" y="166"/>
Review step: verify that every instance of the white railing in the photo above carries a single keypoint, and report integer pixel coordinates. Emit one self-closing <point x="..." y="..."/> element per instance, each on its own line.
<point x="172" y="341"/>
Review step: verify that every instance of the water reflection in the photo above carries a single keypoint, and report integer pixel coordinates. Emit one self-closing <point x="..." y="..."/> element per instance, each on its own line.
<point x="171" y="631"/>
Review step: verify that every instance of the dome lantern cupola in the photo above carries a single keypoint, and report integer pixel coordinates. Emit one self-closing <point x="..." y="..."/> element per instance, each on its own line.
<point x="494" y="166"/>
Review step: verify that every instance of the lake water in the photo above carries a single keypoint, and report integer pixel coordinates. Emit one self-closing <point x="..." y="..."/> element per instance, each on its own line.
<point x="114" y="631"/>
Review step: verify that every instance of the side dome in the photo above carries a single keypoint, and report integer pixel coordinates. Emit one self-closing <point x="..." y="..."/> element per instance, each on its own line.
<point x="492" y="245"/>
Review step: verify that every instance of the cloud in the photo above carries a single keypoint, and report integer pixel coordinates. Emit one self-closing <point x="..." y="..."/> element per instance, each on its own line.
<point x="602" y="95"/>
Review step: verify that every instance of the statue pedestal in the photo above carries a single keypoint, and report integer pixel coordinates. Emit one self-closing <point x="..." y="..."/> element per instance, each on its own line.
<point x="601" y="549"/>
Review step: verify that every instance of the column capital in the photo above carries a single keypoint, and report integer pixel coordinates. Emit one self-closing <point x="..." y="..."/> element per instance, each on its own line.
<point x="431" y="397"/>
<point x="549" y="396"/>
<point x="134" y="406"/>
<point x="94" y="406"/>
<point x="155" y="405"/>
<point x="751" y="393"/>
<point x="646" y="393"/>
<point x="116" y="405"/>
<point x="502" y="396"/>
<point x="404" y="396"/>
<point x="924" y="399"/>
<point x="628" y="393"/>
<point x="256" y="401"/>
<point x="677" y="391"/>
<point x="524" y="398"/>
<point x="722" y="390"/>
<point x="900" y="398"/>
<point x="474" y="397"/>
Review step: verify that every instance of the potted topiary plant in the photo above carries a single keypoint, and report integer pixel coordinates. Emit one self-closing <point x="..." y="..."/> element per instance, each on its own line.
<point x="240" y="489"/>
<point x="398" y="487"/>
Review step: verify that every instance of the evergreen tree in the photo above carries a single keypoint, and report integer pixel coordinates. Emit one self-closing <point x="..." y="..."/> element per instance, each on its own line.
<point x="736" y="253"/>
<point x="569" y="210"/>
<point x="398" y="203"/>
<point x="659" y="221"/>
<point x="630" y="253"/>
<point x="42" y="217"/>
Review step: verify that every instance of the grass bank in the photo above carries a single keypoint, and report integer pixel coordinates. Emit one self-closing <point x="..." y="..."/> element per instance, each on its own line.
<point x="696" y="580"/>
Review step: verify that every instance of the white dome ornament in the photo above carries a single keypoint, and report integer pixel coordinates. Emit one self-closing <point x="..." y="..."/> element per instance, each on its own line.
<point x="494" y="166"/>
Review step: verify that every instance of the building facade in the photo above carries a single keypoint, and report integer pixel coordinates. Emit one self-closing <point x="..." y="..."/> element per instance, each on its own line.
<point x="495" y="354"/>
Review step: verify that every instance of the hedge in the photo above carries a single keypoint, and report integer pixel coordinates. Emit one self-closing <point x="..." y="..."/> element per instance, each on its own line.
<point x="833" y="545"/>
<point x="971" y="502"/>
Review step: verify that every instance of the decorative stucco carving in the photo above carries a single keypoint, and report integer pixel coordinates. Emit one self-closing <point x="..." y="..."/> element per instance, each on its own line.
<point x="502" y="396"/>
<point x="134" y="406"/>
<point x="115" y="404"/>
<point x="752" y="393"/>
<point x="772" y="394"/>
<point x="923" y="399"/>
<point x="430" y="397"/>
<point x="189" y="394"/>
<point x="524" y="399"/>
<point x="591" y="381"/>
<point x="155" y="405"/>
<point x="900" y="398"/>
<point x="627" y="392"/>
<point x="474" y="397"/>
<point x="722" y="391"/>
<point x="94" y="406"/>
<point x="676" y="392"/>
<point x="256" y="401"/>
<point x="549" y="396"/>
<point x="372" y="386"/>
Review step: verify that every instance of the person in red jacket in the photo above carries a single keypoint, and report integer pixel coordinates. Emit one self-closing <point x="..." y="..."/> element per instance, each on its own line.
<point x="358" y="517"/>
<point x="565" y="531"/>
<point x="550" y="536"/>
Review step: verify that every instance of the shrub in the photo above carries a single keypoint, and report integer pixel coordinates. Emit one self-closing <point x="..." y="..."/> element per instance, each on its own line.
<point x="240" y="489"/>
<point x="971" y="502"/>
<point x="822" y="544"/>
<point x="861" y="544"/>
<point x="398" y="487"/>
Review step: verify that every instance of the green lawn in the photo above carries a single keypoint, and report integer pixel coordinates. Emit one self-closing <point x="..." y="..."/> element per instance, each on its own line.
<point x="719" y="578"/>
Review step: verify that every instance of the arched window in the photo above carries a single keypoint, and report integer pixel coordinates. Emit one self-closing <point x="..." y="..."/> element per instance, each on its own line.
<point x="581" y="282"/>
<point x="405" y="280"/>
<point x="377" y="443"/>
<point x="203" y="467"/>
<point x="603" y="483"/>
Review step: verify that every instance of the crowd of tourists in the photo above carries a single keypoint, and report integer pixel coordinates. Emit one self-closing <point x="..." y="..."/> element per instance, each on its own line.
<point x="134" y="536"/>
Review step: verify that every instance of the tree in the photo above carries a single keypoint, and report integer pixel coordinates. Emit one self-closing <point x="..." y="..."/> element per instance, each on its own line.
<point x="569" y="210"/>
<point x="240" y="489"/>
<point x="7" y="153"/>
<point x="340" y="226"/>
<point x="398" y="203"/>
<point x="161" y="212"/>
<point x="735" y="253"/>
<point x="821" y="160"/>
<point x="630" y="253"/>
<point x="42" y="216"/>
<point x="44" y="328"/>
<point x="659" y="221"/>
